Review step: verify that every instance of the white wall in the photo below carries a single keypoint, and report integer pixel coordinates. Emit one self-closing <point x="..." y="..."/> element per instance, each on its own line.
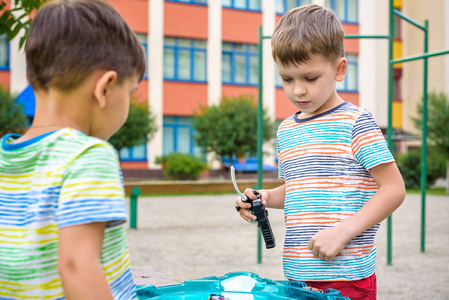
<point x="373" y="60"/>
<point x="155" y="76"/>
<point x="17" y="63"/>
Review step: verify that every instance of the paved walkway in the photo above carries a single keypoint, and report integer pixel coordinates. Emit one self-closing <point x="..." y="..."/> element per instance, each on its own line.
<point x="188" y="237"/>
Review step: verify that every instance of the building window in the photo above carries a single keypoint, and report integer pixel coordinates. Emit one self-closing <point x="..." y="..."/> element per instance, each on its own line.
<point x="397" y="75"/>
<point x="242" y="4"/>
<point x="4" y="52"/>
<point x="239" y="64"/>
<point x="397" y="27"/>
<point x="278" y="79"/>
<point x="185" y="59"/>
<point x="190" y="1"/>
<point x="135" y="153"/>
<point x="143" y="40"/>
<point x="178" y="135"/>
<point x="282" y="6"/>
<point x="349" y="84"/>
<point x="346" y="10"/>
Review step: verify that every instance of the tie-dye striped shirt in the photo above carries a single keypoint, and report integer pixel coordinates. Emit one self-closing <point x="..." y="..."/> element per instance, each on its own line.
<point x="59" y="179"/>
<point x="324" y="161"/>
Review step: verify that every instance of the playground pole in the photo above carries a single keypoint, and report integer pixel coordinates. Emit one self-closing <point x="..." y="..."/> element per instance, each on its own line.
<point x="421" y="56"/>
<point x="259" y="135"/>
<point x="390" y="120"/>
<point x="424" y="142"/>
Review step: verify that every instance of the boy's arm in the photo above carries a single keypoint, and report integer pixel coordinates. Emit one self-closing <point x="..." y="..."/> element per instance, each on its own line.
<point x="79" y="262"/>
<point x="326" y="244"/>
<point x="273" y="198"/>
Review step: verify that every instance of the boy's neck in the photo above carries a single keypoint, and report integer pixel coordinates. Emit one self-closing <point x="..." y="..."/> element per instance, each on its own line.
<point x="56" y="109"/>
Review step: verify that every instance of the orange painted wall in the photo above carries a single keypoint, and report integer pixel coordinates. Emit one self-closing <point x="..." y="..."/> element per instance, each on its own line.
<point x="351" y="45"/>
<point x="351" y="97"/>
<point x="134" y="165"/>
<point x="141" y="94"/>
<point x="183" y="99"/>
<point x="5" y="80"/>
<point x="4" y="75"/>
<point x="185" y="20"/>
<point x="284" y="108"/>
<point x="240" y="26"/>
<point x="135" y="12"/>
<point x="235" y="91"/>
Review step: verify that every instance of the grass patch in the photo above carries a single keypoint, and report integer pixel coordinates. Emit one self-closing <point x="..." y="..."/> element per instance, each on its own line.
<point x="433" y="191"/>
<point x="186" y="194"/>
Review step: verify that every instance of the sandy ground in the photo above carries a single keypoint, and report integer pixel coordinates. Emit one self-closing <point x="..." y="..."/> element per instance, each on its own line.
<point x="190" y="237"/>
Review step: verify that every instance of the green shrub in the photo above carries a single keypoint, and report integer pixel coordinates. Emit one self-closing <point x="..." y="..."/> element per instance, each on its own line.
<point x="410" y="166"/>
<point x="181" y="166"/>
<point x="12" y="118"/>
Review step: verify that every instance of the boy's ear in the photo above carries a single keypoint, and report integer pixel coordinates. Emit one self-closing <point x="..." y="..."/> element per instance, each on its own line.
<point x="342" y="67"/>
<point x="102" y="87"/>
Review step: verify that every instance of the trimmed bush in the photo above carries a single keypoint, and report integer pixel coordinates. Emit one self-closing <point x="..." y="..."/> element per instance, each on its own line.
<point x="181" y="166"/>
<point x="410" y="166"/>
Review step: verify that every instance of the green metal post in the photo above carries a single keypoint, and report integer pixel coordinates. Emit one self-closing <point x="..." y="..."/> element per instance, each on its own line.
<point x="424" y="143"/>
<point x="420" y="56"/>
<point x="259" y="134"/>
<point x="133" y="207"/>
<point x="408" y="19"/>
<point x="355" y="36"/>
<point x="390" y="120"/>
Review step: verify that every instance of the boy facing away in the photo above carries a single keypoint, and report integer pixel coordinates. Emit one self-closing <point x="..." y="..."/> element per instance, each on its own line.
<point x="62" y="202"/>
<point x="341" y="181"/>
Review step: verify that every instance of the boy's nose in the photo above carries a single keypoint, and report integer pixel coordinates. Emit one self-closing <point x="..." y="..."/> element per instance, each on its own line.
<point x="299" y="90"/>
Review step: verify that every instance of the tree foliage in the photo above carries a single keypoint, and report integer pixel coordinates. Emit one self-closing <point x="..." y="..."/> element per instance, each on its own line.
<point x="18" y="18"/>
<point x="409" y="164"/>
<point x="437" y="121"/>
<point x="12" y="118"/>
<point x="437" y="126"/>
<point x="230" y="127"/>
<point x="139" y="127"/>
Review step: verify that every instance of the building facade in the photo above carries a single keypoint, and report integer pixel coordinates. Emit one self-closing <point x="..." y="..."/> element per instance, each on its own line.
<point x="201" y="50"/>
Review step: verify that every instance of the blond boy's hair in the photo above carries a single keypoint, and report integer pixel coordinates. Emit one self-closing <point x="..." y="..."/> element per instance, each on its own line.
<point x="305" y="31"/>
<point x="70" y="39"/>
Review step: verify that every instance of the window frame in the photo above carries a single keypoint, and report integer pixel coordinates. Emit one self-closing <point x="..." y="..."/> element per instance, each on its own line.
<point x="192" y="49"/>
<point x="144" y="44"/>
<point x="189" y="2"/>
<point x="298" y="4"/>
<point x="345" y="20"/>
<point x="356" y="64"/>
<point x="175" y="126"/>
<point x="247" y="8"/>
<point x="7" y="67"/>
<point x="397" y="27"/>
<point x="131" y="150"/>
<point x="248" y="55"/>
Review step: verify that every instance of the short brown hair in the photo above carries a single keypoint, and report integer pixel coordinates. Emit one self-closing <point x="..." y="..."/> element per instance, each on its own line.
<point x="307" y="30"/>
<point x="69" y="39"/>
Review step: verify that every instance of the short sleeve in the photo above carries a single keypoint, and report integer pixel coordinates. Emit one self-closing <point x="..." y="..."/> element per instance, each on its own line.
<point x="368" y="143"/>
<point x="92" y="189"/>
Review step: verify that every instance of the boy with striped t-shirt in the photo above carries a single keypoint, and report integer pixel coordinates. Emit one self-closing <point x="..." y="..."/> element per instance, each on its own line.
<point x="61" y="190"/>
<point x="340" y="179"/>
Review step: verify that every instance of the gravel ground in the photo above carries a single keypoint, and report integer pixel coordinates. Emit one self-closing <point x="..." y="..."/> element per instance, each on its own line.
<point x="190" y="237"/>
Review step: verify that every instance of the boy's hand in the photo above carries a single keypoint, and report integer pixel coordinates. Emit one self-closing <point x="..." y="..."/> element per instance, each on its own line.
<point x="244" y="207"/>
<point x="327" y="243"/>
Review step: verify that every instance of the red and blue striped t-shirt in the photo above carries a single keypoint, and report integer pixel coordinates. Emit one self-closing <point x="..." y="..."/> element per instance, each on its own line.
<point x="325" y="162"/>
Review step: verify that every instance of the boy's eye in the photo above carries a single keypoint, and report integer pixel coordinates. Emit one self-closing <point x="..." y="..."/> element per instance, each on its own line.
<point x="310" y="79"/>
<point x="286" y="79"/>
